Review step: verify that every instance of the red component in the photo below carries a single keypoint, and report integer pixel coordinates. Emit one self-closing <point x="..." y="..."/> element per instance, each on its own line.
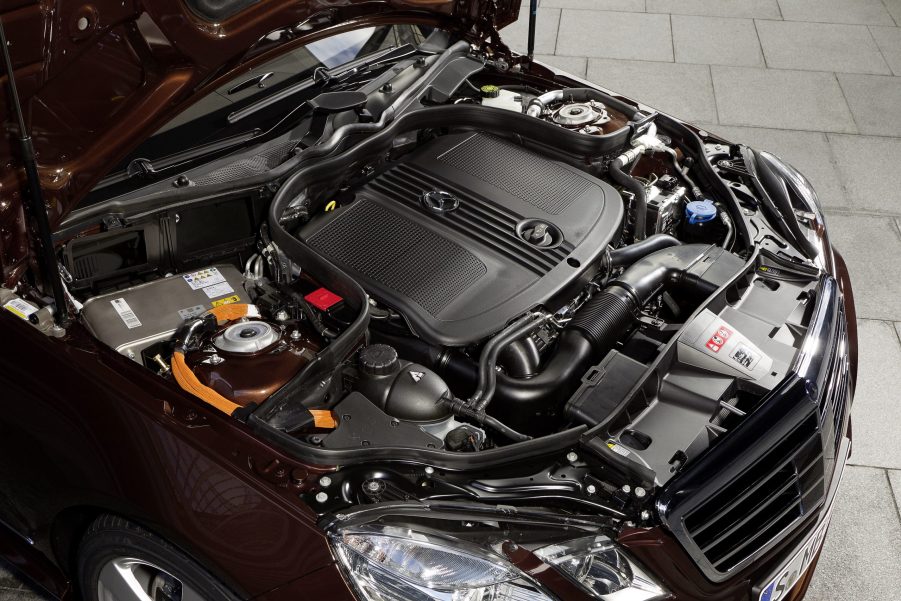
<point x="717" y="341"/>
<point x="323" y="299"/>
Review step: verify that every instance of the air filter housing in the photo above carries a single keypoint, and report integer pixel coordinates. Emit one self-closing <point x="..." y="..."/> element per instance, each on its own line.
<point x="468" y="232"/>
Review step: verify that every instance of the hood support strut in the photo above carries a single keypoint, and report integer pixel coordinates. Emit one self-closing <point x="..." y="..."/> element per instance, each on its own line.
<point x="35" y="194"/>
<point x="533" y="18"/>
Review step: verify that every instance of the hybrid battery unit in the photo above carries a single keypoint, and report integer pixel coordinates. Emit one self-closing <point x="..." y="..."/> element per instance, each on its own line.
<point x="132" y="319"/>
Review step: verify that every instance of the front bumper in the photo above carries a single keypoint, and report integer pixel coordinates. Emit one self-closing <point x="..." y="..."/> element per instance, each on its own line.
<point x="742" y="513"/>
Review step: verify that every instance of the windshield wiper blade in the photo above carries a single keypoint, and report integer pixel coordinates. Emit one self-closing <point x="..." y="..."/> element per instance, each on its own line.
<point x="322" y="76"/>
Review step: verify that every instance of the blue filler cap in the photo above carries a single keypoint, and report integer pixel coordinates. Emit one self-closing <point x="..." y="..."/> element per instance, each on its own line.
<point x="700" y="211"/>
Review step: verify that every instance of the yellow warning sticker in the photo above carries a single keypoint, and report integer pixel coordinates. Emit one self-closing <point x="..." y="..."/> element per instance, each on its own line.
<point x="20" y="308"/>
<point x="225" y="301"/>
<point x="330" y="206"/>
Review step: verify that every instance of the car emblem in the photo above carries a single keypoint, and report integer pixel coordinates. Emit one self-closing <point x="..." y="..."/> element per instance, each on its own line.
<point x="416" y="375"/>
<point x="440" y="201"/>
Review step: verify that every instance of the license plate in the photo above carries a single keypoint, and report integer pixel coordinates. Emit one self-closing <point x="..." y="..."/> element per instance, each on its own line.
<point x="798" y="565"/>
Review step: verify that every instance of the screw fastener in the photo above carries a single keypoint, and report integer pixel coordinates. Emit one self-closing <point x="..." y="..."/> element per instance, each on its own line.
<point x="572" y="457"/>
<point x="325" y="482"/>
<point x="321" y="497"/>
<point x="591" y="489"/>
<point x="429" y="470"/>
<point x="640" y="492"/>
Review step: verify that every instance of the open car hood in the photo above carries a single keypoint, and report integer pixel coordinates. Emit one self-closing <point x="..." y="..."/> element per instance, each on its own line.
<point x="98" y="78"/>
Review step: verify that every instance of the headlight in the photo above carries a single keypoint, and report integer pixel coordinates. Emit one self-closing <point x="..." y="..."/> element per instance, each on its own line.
<point x="799" y="184"/>
<point x="386" y="563"/>
<point x="598" y="565"/>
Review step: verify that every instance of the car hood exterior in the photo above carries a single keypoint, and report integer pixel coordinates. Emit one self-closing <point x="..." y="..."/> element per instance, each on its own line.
<point x="97" y="78"/>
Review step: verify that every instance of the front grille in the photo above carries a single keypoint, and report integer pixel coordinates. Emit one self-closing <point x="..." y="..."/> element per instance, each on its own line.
<point x="778" y="492"/>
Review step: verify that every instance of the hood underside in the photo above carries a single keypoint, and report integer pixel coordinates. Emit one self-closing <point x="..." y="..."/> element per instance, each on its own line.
<point x="97" y="79"/>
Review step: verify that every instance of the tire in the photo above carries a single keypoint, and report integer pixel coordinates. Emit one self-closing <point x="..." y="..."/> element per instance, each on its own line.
<point x="119" y="561"/>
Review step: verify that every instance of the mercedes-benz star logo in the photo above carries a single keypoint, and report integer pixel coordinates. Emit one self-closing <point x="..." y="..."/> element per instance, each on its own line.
<point x="440" y="201"/>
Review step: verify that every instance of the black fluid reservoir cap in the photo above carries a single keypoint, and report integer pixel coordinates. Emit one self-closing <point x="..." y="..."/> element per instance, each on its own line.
<point x="378" y="360"/>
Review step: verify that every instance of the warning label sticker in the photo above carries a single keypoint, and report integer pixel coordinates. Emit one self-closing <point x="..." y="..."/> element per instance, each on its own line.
<point x="744" y="356"/>
<point x="128" y="316"/>
<point x="226" y="301"/>
<point x="217" y="290"/>
<point x="719" y="338"/>
<point x="203" y="278"/>
<point x="20" y="308"/>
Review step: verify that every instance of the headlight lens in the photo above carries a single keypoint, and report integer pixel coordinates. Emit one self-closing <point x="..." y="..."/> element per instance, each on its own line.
<point x="386" y="563"/>
<point x="598" y="565"/>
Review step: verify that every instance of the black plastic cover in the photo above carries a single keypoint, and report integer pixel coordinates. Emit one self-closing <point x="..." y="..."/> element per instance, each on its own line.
<point x="455" y="264"/>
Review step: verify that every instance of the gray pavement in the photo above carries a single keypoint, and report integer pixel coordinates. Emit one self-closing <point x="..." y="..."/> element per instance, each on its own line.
<point x="818" y="82"/>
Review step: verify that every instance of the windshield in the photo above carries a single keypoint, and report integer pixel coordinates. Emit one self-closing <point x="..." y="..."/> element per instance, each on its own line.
<point x="210" y="121"/>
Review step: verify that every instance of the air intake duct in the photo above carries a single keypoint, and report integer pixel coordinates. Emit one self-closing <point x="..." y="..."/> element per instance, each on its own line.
<point x="524" y="403"/>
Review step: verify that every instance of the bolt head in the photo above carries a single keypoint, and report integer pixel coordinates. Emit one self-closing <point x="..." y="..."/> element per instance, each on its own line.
<point x="645" y="515"/>
<point x="572" y="457"/>
<point x="325" y="482"/>
<point x="373" y="485"/>
<point x="321" y="497"/>
<point x="591" y="489"/>
<point x="626" y="488"/>
<point x="640" y="492"/>
<point x="281" y="315"/>
<point x="429" y="470"/>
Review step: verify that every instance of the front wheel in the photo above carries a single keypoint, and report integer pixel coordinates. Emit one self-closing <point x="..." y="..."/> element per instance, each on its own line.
<point x="119" y="561"/>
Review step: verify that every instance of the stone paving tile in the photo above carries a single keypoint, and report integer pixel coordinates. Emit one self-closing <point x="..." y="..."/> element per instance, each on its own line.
<point x="863" y="12"/>
<point x="874" y="102"/>
<point x="863" y="547"/>
<point x="716" y="41"/>
<point x="682" y="90"/>
<point x="615" y="35"/>
<point x="634" y="6"/>
<point x="781" y="99"/>
<point x="875" y="415"/>
<point x="871" y="245"/>
<point x="808" y="151"/>
<point x="894" y="477"/>
<point x="889" y="41"/>
<point x="750" y="9"/>
<point x="894" y="7"/>
<point x="516" y="35"/>
<point x="821" y="47"/>
<point x="576" y="65"/>
<point x="863" y="163"/>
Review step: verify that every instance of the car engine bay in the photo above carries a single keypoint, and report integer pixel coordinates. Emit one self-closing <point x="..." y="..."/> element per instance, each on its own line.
<point x="499" y="263"/>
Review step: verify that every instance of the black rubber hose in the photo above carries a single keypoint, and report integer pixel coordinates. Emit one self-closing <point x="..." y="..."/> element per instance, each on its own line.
<point x="640" y="197"/>
<point x="503" y="429"/>
<point x="650" y="275"/>
<point x="627" y="255"/>
<point x="488" y="358"/>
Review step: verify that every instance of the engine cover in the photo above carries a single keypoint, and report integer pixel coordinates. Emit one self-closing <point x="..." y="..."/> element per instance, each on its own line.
<point x="468" y="232"/>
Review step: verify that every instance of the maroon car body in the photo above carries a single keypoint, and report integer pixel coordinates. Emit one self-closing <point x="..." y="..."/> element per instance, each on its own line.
<point x="84" y="431"/>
